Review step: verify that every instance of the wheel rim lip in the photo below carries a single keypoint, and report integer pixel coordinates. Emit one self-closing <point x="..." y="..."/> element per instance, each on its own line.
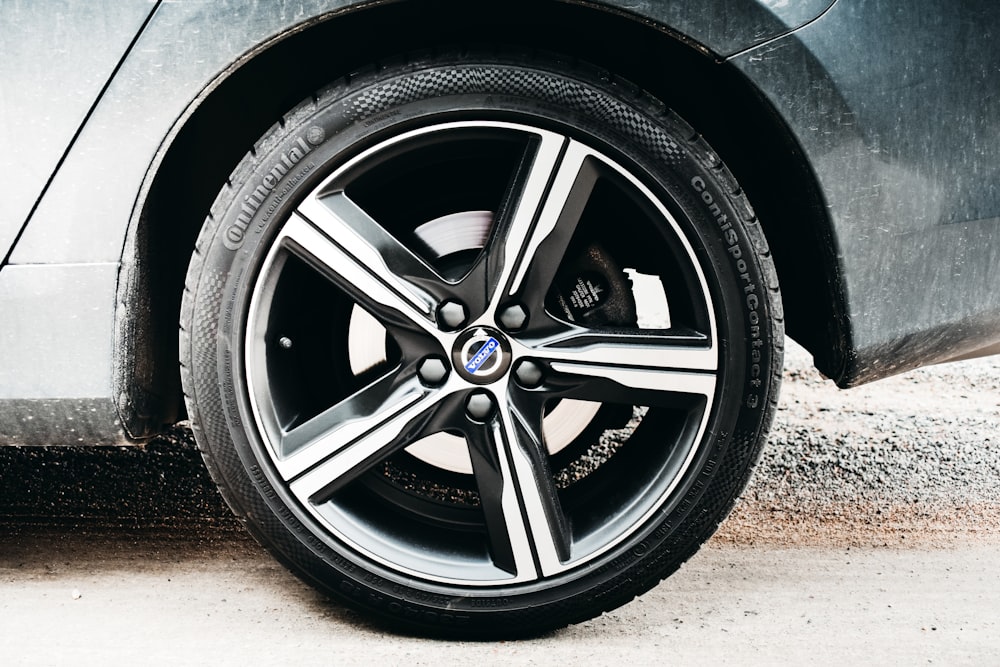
<point x="327" y="528"/>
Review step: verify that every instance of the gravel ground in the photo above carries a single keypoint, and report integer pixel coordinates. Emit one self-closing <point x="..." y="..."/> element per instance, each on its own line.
<point x="912" y="459"/>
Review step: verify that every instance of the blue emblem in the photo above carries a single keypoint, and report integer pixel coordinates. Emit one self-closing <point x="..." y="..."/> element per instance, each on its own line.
<point x="484" y="353"/>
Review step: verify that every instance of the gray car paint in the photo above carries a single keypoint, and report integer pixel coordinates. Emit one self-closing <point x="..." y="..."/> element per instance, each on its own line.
<point x="62" y="392"/>
<point x="56" y="58"/>
<point x="80" y="226"/>
<point x="82" y="218"/>
<point x="913" y="196"/>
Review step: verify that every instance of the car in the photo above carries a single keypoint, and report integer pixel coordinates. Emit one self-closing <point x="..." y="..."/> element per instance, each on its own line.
<point x="481" y="306"/>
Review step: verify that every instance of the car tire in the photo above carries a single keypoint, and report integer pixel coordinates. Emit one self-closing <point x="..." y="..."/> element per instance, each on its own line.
<point x="481" y="344"/>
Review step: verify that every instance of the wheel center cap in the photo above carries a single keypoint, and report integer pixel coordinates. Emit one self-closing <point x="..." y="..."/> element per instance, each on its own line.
<point x="481" y="355"/>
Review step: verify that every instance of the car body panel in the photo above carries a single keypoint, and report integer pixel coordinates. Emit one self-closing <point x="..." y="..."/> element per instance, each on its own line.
<point x="902" y="304"/>
<point x="726" y="27"/>
<point x="57" y="387"/>
<point x="78" y="229"/>
<point x="913" y="197"/>
<point x="54" y="294"/>
<point x="83" y="217"/>
<point x="57" y="56"/>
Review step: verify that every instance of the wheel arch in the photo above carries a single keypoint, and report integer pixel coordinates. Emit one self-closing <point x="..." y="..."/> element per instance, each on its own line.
<point x="242" y="103"/>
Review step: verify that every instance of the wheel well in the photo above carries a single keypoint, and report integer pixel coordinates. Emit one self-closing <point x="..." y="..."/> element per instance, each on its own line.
<point x="712" y="97"/>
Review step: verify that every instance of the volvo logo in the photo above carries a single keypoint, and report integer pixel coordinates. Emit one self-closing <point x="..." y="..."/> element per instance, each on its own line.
<point x="481" y="355"/>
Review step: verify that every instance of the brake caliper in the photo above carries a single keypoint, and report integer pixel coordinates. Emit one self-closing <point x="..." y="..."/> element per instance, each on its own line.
<point x="592" y="290"/>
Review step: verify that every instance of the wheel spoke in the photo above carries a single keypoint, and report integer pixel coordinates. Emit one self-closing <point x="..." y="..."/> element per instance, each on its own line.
<point x="306" y="444"/>
<point x="510" y="541"/>
<point x="328" y="453"/>
<point x="554" y="190"/>
<point x="652" y="350"/>
<point x="391" y="300"/>
<point x="647" y="363"/>
<point x="525" y="521"/>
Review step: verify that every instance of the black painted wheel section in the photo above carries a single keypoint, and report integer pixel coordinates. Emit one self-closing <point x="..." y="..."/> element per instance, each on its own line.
<point x="481" y="345"/>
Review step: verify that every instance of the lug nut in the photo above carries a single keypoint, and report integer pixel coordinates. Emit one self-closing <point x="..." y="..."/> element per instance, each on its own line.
<point x="432" y="371"/>
<point x="528" y="374"/>
<point x="451" y="315"/>
<point x="479" y="406"/>
<point x="513" y="317"/>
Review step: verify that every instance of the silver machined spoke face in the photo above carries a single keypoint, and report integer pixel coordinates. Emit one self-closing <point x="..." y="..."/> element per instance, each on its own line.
<point x="662" y="366"/>
<point x="511" y="538"/>
<point x="336" y="428"/>
<point x="371" y="246"/>
<point x="645" y="379"/>
<point x="649" y="351"/>
<point x="517" y="240"/>
<point x="382" y="434"/>
<point x="535" y="490"/>
<point x="372" y="290"/>
<point x="441" y="331"/>
<point x="572" y="179"/>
